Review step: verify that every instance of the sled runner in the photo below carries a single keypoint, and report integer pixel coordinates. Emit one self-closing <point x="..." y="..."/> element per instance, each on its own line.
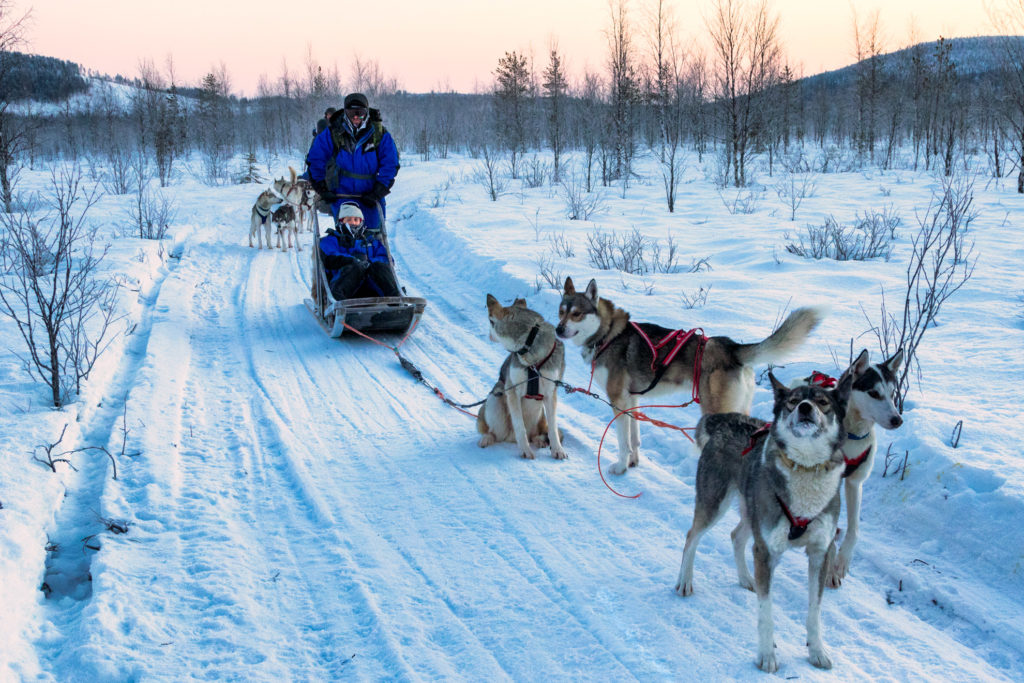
<point x="369" y="314"/>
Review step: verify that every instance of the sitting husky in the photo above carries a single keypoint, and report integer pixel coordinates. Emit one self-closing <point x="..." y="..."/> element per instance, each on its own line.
<point x="526" y="382"/>
<point x="871" y="403"/>
<point x="260" y="217"/>
<point x="787" y="474"/>
<point x="626" y="360"/>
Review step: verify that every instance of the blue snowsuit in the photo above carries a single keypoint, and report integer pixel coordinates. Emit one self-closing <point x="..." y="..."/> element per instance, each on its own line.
<point x="365" y="164"/>
<point x="357" y="267"/>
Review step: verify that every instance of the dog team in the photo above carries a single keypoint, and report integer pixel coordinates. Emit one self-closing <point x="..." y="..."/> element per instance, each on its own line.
<point x="787" y="473"/>
<point x="297" y="200"/>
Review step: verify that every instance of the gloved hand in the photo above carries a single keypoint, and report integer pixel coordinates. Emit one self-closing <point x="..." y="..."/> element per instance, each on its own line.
<point x="379" y="191"/>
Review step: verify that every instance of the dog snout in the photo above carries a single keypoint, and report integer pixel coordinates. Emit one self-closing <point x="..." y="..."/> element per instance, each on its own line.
<point x="560" y="330"/>
<point x="805" y="410"/>
<point x="895" y="421"/>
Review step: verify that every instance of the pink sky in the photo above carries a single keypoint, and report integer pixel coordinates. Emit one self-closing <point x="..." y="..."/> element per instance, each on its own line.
<point x="429" y="44"/>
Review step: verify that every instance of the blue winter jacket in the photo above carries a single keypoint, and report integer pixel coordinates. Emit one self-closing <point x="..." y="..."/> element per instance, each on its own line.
<point x="334" y="244"/>
<point x="363" y="167"/>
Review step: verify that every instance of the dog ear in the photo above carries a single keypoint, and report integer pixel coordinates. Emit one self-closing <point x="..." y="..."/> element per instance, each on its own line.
<point x="894" y="363"/>
<point x="859" y="365"/>
<point x="519" y="303"/>
<point x="780" y="390"/>
<point x="494" y="307"/>
<point x="842" y="390"/>
<point x="592" y="290"/>
<point x="569" y="289"/>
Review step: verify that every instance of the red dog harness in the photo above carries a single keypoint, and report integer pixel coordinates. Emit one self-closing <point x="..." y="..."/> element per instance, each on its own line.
<point x="679" y="337"/>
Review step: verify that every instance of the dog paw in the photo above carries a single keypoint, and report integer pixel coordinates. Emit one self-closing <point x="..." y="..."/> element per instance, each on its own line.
<point x="819" y="658"/>
<point x="767" y="662"/>
<point x="618" y="468"/>
<point x="559" y="454"/>
<point x="529" y="455"/>
<point x="486" y="440"/>
<point x="684" y="588"/>
<point x="747" y="582"/>
<point x="539" y="441"/>
<point x="838" y="572"/>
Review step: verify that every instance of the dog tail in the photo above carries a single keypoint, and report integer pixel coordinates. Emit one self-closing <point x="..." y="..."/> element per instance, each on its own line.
<point x="793" y="331"/>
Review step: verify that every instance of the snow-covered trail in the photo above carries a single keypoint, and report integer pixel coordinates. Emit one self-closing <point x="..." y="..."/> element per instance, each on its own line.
<point x="303" y="510"/>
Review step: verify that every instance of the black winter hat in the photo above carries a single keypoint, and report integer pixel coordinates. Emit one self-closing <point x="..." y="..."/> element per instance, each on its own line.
<point x="356" y="99"/>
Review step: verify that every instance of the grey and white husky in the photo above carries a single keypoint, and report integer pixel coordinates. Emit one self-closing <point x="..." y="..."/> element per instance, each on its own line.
<point x="522" y="406"/>
<point x="787" y="473"/>
<point x="260" y="218"/>
<point x="871" y="403"/>
<point x="627" y="361"/>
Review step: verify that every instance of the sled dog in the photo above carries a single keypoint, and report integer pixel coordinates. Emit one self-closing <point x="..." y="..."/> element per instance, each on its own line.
<point x="522" y="406"/>
<point x="787" y="474"/>
<point x="284" y="221"/>
<point x="260" y="217"/>
<point x="300" y="194"/>
<point x="871" y="403"/>
<point x="626" y="362"/>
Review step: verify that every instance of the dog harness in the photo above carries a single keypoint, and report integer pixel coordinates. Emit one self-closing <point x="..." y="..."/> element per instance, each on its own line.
<point x="823" y="380"/>
<point x="264" y="214"/>
<point x="797" y="525"/>
<point x="755" y="437"/>
<point x="679" y="337"/>
<point x="533" y="371"/>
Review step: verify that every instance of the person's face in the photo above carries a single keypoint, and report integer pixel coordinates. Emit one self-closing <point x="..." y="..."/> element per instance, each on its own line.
<point x="352" y="221"/>
<point x="356" y="115"/>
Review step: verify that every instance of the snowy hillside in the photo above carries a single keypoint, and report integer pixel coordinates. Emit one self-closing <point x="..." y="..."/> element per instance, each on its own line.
<point x="299" y="508"/>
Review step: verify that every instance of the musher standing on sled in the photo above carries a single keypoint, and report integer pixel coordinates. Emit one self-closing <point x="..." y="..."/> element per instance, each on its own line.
<point x="355" y="155"/>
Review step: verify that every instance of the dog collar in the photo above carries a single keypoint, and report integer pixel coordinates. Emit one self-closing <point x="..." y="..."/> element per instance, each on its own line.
<point x="794" y="465"/>
<point x="530" y="338"/>
<point x="854" y="437"/>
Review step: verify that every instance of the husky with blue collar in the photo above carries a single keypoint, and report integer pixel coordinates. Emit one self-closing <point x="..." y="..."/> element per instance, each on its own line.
<point x="871" y="403"/>
<point x="261" y="218"/>
<point x="787" y="474"/>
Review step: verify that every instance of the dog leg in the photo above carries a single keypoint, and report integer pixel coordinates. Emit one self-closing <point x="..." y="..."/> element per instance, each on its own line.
<point x="816" y="564"/>
<point x="634" y="435"/>
<point x="266" y="230"/>
<point x="740" y="538"/>
<point x="550" y="413"/>
<point x="764" y="566"/>
<point x="854" y="490"/>
<point x="298" y="246"/>
<point x="515" y="411"/>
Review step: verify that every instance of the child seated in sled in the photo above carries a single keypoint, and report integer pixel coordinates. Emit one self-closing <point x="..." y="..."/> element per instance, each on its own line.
<point x="355" y="260"/>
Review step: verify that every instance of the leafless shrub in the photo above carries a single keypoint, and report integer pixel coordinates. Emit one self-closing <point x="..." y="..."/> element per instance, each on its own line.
<point x="665" y="260"/>
<point x="116" y="178"/>
<point x="151" y="214"/>
<point x="439" y="194"/>
<point x="51" y="288"/>
<point x="894" y="461"/>
<point x="695" y="300"/>
<point x="941" y="263"/>
<point x="741" y="201"/>
<point x="561" y="245"/>
<point x="871" y="236"/>
<point x="548" y="274"/>
<point x="793" y="189"/>
<point x="699" y="265"/>
<point x="537" y="172"/>
<point x="609" y="251"/>
<point x="488" y="174"/>
<point x="580" y="204"/>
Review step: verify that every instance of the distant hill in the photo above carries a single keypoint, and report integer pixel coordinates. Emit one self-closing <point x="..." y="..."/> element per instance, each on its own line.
<point x="975" y="58"/>
<point x="44" y="79"/>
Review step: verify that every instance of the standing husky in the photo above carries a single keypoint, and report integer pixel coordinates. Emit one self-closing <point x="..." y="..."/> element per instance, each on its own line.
<point x="526" y="382"/>
<point x="260" y="217"/>
<point x="625" y="361"/>
<point x="871" y="403"/>
<point x="284" y="221"/>
<point x="299" y="193"/>
<point x="787" y="474"/>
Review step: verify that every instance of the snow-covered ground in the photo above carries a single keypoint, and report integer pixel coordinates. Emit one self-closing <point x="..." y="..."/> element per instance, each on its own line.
<point x="301" y="509"/>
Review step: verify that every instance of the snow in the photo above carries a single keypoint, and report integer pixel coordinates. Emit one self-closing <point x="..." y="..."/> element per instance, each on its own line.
<point x="299" y="508"/>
